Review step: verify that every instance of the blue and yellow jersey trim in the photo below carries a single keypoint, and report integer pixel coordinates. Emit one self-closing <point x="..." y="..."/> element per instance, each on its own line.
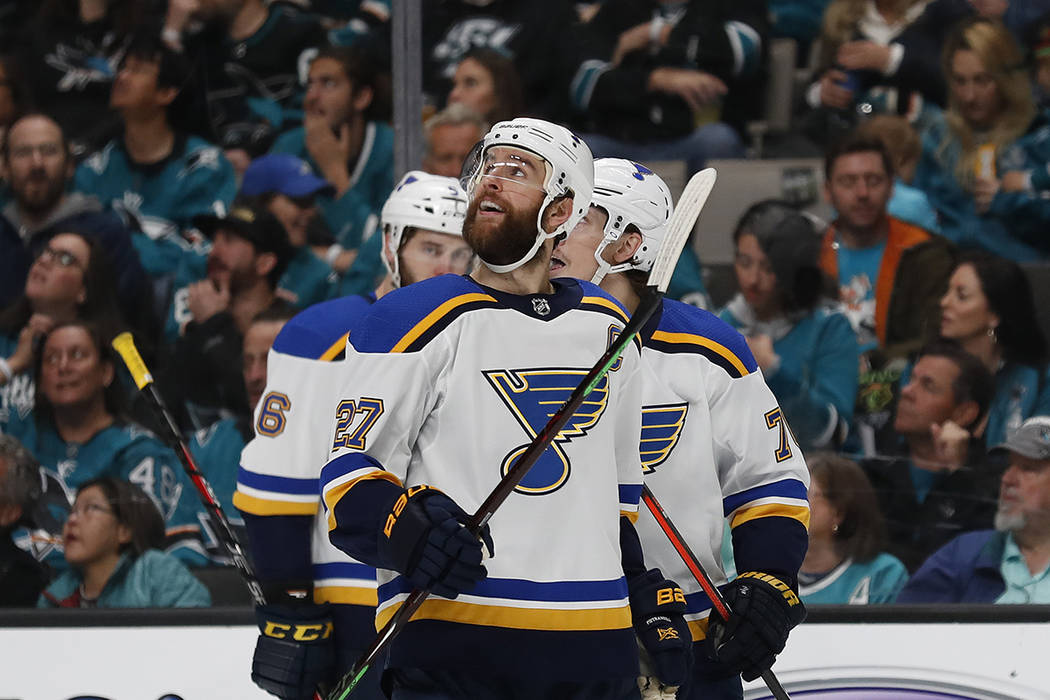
<point x="786" y="498"/>
<point x="320" y="331"/>
<point x="343" y="473"/>
<point x="345" y="583"/>
<point x="682" y="328"/>
<point x="521" y="604"/>
<point x="630" y="495"/>
<point x="440" y="318"/>
<point x="264" y="494"/>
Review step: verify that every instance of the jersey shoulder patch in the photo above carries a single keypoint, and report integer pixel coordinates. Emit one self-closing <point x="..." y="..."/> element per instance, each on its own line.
<point x="684" y="328"/>
<point x="319" y="332"/>
<point x="406" y="319"/>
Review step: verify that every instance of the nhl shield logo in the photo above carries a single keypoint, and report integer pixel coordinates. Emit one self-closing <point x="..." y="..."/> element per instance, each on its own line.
<point x="541" y="306"/>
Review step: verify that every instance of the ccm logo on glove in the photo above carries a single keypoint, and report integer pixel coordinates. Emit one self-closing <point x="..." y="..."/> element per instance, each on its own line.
<point x="298" y="633"/>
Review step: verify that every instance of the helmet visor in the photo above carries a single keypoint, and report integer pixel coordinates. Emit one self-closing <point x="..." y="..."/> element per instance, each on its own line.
<point x="513" y="167"/>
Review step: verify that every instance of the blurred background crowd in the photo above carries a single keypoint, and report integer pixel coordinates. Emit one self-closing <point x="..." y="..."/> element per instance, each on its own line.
<point x="198" y="171"/>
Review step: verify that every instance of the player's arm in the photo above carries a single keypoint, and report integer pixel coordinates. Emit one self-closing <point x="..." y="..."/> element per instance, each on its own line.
<point x="373" y="514"/>
<point x="764" y="482"/>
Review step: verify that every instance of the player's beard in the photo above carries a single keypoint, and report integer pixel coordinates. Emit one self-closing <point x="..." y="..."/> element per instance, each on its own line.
<point x="506" y="242"/>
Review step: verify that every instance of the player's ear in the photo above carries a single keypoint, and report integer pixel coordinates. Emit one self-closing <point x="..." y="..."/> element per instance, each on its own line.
<point x="558" y="212"/>
<point x="626" y="246"/>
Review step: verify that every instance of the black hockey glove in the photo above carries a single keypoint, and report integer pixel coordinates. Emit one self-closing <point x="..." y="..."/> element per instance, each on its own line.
<point x="764" y="609"/>
<point x="425" y="539"/>
<point x="294" y="652"/>
<point x="658" y="609"/>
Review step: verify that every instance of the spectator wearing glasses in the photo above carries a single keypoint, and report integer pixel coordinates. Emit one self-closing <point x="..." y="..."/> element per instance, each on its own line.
<point x="286" y="187"/>
<point x="36" y="163"/>
<point x="113" y="538"/>
<point x="69" y="280"/>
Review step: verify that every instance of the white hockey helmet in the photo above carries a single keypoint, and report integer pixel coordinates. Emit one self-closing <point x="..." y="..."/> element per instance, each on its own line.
<point x="421" y="200"/>
<point x="569" y="168"/>
<point x="630" y="193"/>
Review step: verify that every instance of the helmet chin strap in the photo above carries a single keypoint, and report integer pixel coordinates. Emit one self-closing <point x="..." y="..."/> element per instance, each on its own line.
<point x="541" y="236"/>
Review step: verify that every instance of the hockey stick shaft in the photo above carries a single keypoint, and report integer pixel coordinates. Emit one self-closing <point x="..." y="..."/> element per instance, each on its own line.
<point x="718" y="601"/>
<point x="694" y="196"/>
<point x="124" y="344"/>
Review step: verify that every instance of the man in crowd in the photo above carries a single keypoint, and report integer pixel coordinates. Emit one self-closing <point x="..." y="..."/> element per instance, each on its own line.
<point x="1010" y="564"/>
<point x="937" y="484"/>
<point x="449" y="135"/>
<point x="21" y="576"/>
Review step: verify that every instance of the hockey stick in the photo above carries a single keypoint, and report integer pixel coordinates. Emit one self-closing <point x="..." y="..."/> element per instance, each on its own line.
<point x="124" y="344"/>
<point x="681" y="224"/>
<point x="697" y="569"/>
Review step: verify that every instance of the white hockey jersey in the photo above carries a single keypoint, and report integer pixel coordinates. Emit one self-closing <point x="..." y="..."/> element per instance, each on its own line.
<point x="715" y="445"/>
<point x="446" y="383"/>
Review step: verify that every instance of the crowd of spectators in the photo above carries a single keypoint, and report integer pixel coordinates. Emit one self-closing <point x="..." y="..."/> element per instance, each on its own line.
<point x="198" y="171"/>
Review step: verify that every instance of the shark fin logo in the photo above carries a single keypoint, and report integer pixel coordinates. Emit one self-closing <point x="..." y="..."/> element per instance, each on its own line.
<point x="533" y="396"/>
<point x="661" y="428"/>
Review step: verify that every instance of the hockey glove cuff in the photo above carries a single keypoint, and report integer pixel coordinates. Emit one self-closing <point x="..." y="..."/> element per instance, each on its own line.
<point x="294" y="652"/>
<point x="764" y="609"/>
<point x="424" y="537"/>
<point x="658" y="610"/>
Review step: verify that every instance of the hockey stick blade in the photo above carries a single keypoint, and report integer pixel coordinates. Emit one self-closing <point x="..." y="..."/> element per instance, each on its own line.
<point x="718" y="601"/>
<point x="682" y="221"/>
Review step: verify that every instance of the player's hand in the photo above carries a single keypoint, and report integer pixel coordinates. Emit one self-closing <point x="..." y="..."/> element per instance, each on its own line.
<point x="206" y="298"/>
<point x="764" y="609"/>
<point x="984" y="191"/>
<point x="833" y="92"/>
<point x="697" y="88"/>
<point x="425" y="539"/>
<point x="761" y="346"/>
<point x="951" y="444"/>
<point x="1014" y="181"/>
<point x="863" y="55"/>
<point x="658" y="610"/>
<point x="294" y="652"/>
<point x="22" y="358"/>
<point x="330" y="151"/>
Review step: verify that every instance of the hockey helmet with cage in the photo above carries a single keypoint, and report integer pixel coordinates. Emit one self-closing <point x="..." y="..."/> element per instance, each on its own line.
<point x="425" y="201"/>
<point x="631" y="194"/>
<point x="569" y="170"/>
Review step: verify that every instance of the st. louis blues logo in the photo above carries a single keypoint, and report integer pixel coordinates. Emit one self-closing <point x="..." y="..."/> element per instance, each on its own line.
<point x="533" y="396"/>
<point x="661" y="428"/>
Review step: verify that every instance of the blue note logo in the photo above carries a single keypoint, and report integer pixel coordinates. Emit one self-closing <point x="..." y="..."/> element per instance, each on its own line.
<point x="661" y="428"/>
<point x="533" y="396"/>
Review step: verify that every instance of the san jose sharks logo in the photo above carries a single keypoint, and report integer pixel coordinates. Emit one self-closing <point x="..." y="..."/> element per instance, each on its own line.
<point x="661" y="428"/>
<point x="533" y="396"/>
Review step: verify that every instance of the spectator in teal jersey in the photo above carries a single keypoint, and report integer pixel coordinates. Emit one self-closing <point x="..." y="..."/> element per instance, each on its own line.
<point x="990" y="311"/>
<point x="113" y="538"/>
<point x="845" y="562"/>
<point x="156" y="176"/>
<point x="79" y="432"/>
<point x="344" y="142"/>
<point x="70" y="280"/>
<point x="286" y="187"/>
<point x="806" y="349"/>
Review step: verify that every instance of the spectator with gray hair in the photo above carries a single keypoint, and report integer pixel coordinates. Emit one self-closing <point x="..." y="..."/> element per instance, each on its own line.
<point x="21" y="576"/>
<point x="449" y="136"/>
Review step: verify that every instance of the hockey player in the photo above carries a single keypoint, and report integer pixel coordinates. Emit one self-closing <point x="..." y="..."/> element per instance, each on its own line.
<point x="277" y="488"/>
<point x="444" y="385"/>
<point x="714" y="442"/>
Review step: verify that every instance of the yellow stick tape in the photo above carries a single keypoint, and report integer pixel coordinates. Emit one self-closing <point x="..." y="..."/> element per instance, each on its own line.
<point x="125" y="345"/>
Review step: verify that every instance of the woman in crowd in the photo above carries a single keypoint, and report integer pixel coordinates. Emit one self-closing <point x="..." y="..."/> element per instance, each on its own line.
<point x="113" y="538"/>
<point x="488" y="83"/>
<point x="989" y="310"/>
<point x="975" y="154"/>
<point x="69" y="280"/>
<point x="79" y="432"/>
<point x="845" y="563"/>
<point x="807" y="351"/>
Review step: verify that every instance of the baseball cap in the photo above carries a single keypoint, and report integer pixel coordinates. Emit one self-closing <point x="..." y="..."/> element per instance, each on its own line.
<point x="257" y="226"/>
<point x="1031" y="440"/>
<point x="282" y="173"/>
